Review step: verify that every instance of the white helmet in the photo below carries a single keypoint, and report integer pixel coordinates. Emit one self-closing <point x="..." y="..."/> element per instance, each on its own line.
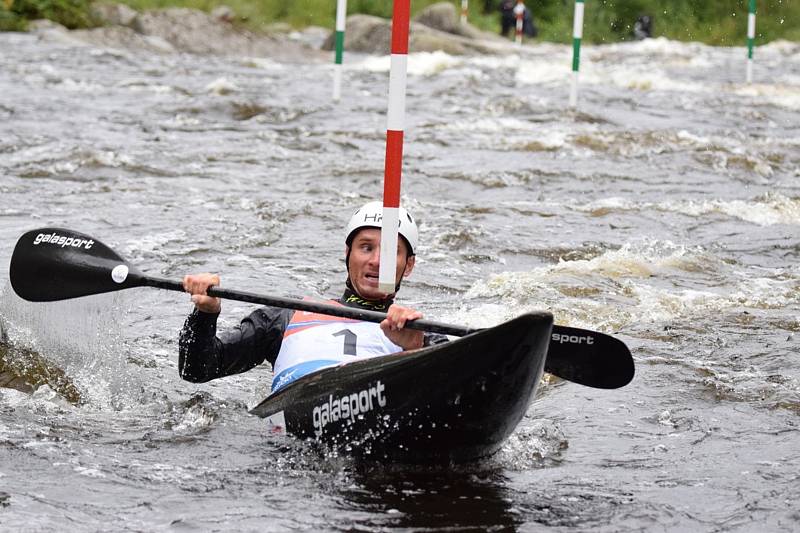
<point x="370" y="216"/>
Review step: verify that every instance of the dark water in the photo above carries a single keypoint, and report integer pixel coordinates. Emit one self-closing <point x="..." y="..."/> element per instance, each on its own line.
<point x="665" y="210"/>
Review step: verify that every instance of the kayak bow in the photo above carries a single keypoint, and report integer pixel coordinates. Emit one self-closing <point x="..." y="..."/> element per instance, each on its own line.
<point x="456" y="401"/>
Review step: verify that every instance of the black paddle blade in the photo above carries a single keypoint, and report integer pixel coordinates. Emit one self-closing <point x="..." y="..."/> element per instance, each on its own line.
<point x="589" y="358"/>
<point x="50" y="264"/>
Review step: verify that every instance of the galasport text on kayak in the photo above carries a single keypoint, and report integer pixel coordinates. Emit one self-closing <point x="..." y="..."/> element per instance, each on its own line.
<point x="347" y="407"/>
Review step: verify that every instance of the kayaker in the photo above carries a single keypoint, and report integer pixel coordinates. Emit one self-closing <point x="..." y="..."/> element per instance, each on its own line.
<point x="298" y="342"/>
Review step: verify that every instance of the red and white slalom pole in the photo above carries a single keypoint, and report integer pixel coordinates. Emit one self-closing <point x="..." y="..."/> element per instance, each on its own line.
<point x="519" y="12"/>
<point x="464" y="11"/>
<point x="395" y="122"/>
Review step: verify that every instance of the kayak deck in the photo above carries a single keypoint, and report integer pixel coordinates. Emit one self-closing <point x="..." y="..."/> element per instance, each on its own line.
<point x="455" y="401"/>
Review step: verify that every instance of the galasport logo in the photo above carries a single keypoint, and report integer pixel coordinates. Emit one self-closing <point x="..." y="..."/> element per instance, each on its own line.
<point x="561" y="338"/>
<point x="62" y="240"/>
<point x="348" y="406"/>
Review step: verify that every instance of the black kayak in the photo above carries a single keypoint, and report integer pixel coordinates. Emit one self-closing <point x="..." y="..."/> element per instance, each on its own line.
<point x="452" y="402"/>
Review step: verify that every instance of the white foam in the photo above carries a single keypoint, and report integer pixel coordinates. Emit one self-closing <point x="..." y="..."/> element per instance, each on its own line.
<point x="658" y="304"/>
<point x="265" y="63"/>
<point x="643" y="279"/>
<point x="105" y="158"/>
<point x="419" y="64"/>
<point x="778" y="94"/>
<point x="222" y="86"/>
<point x="488" y="125"/>
<point x="196" y="417"/>
<point x="138" y="85"/>
<point x="11" y="398"/>
<point x="632" y="261"/>
<point x="516" y="134"/>
<point x="500" y="62"/>
<point x="80" y="86"/>
<point x="89" y="472"/>
<point x="537" y="440"/>
<point x="545" y="70"/>
<point x="692" y="140"/>
<point x="658" y="48"/>
<point x="775" y="209"/>
<point x="639" y="78"/>
<point x="154" y="241"/>
<point x="429" y="63"/>
<point x="767" y="210"/>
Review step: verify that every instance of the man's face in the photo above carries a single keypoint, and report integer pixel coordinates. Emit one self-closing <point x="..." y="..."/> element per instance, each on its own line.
<point x="365" y="255"/>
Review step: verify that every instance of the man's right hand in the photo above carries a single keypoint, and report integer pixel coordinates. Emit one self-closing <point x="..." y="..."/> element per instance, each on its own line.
<point x="197" y="285"/>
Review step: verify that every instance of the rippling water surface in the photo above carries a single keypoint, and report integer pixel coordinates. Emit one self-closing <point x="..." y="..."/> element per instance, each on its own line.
<point x="665" y="210"/>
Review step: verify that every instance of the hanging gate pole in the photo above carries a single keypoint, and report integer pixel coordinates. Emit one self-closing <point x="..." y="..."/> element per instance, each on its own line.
<point x="395" y="124"/>
<point x="341" y="14"/>
<point x="751" y="37"/>
<point x="519" y="13"/>
<point x="577" y="34"/>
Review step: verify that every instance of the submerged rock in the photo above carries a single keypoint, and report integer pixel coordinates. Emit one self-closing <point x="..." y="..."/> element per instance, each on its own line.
<point x="26" y="371"/>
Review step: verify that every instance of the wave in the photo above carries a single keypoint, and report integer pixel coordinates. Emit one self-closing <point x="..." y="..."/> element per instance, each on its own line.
<point x="643" y="282"/>
<point x="765" y="210"/>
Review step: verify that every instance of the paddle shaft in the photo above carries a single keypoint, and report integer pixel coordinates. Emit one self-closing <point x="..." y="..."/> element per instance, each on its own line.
<point x="313" y="307"/>
<point x="586" y="357"/>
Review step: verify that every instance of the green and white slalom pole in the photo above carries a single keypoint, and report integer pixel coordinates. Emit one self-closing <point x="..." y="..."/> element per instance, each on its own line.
<point x="341" y="14"/>
<point x="577" y="35"/>
<point x="464" y="10"/>
<point x="395" y="123"/>
<point x="751" y="37"/>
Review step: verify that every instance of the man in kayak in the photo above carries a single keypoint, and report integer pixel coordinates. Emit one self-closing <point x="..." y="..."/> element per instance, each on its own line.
<point x="299" y="342"/>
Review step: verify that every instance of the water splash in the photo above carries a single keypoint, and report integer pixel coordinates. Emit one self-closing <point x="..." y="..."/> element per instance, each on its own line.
<point x="79" y="343"/>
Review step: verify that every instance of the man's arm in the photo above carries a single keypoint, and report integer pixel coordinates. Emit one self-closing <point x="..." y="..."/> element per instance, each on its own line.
<point x="202" y="356"/>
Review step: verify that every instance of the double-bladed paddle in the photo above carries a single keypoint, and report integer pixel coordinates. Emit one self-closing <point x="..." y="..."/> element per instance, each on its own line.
<point x="51" y="264"/>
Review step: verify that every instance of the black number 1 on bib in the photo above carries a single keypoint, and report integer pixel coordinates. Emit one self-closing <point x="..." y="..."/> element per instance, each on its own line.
<point x="349" y="341"/>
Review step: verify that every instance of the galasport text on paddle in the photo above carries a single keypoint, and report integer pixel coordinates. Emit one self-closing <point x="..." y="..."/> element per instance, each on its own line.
<point x="51" y="264"/>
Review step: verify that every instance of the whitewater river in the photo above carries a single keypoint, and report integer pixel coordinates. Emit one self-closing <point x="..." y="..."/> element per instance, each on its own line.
<point x="666" y="211"/>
